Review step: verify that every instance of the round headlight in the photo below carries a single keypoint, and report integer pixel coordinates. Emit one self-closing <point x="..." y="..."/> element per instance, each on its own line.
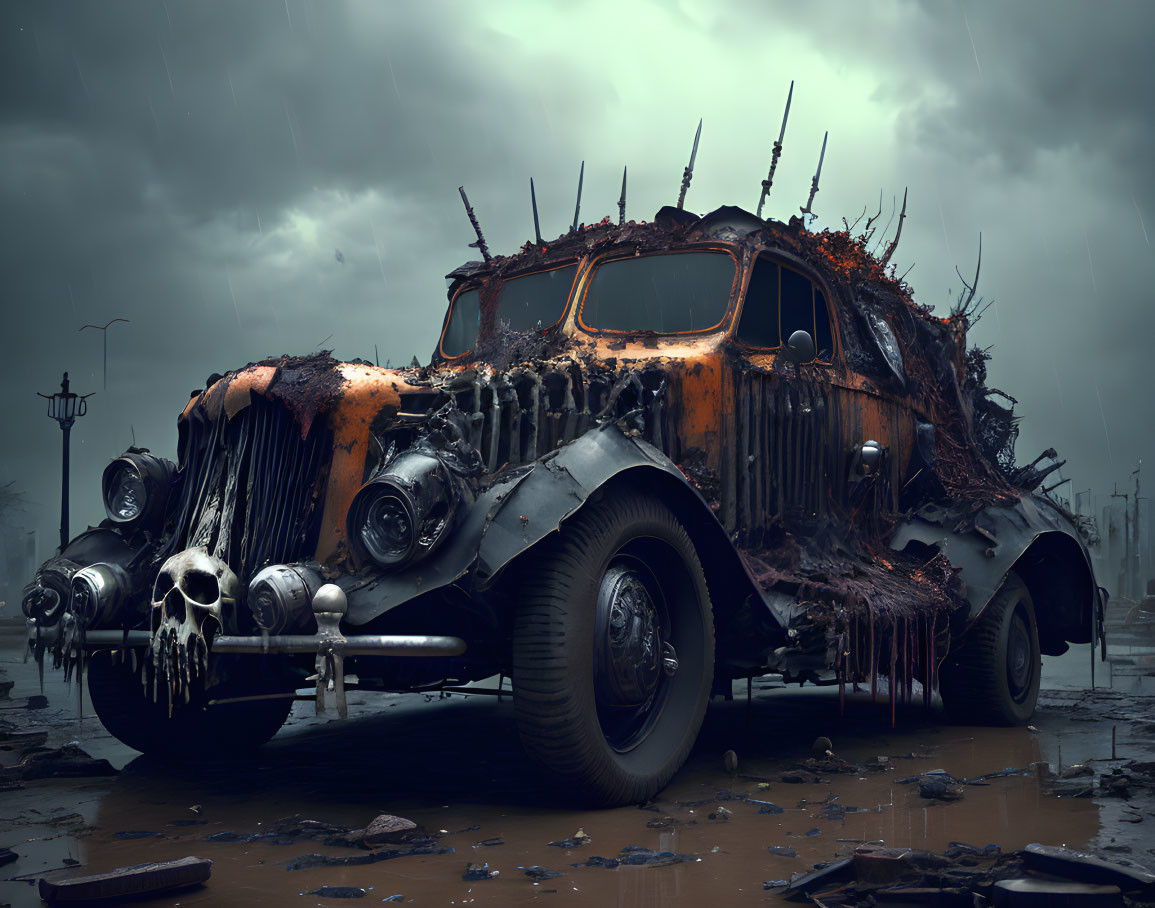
<point x="136" y="488"/>
<point x="405" y="512"/>
<point x="100" y="594"/>
<point x="126" y="494"/>
<point x="281" y="596"/>
<point x="388" y="530"/>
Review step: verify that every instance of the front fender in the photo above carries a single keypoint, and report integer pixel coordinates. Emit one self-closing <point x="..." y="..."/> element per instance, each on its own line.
<point x="517" y="512"/>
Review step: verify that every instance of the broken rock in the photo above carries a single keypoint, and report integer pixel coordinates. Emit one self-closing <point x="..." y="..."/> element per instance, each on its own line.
<point x="1088" y="868"/>
<point x="1055" y="894"/>
<point x="137" y="881"/>
<point x="388" y="829"/>
<point x="939" y="788"/>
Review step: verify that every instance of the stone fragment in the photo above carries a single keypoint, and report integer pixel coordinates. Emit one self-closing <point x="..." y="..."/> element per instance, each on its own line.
<point x="1055" y="894"/>
<point x="117" y="886"/>
<point x="1088" y="868"/>
<point x="388" y="829"/>
<point x="339" y="892"/>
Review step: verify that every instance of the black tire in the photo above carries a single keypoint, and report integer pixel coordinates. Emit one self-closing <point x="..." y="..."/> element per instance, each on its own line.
<point x="133" y="718"/>
<point x="629" y="557"/>
<point x="993" y="676"/>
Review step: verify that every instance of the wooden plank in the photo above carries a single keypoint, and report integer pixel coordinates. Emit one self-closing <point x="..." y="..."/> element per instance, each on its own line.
<point x="125" y="882"/>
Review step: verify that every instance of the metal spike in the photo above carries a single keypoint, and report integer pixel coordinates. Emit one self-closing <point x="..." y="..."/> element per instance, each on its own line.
<point x="578" y="207"/>
<point x="480" y="244"/>
<point x="688" y="173"/>
<point x="817" y="174"/>
<point x="776" y="153"/>
<point x="622" y="201"/>
<point x="536" y="223"/>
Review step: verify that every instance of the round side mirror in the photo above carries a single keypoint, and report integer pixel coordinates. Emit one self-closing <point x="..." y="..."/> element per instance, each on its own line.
<point x="799" y="348"/>
<point x="869" y="456"/>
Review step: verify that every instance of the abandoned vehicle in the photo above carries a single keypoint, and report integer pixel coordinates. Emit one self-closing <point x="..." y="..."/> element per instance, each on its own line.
<point x="645" y="461"/>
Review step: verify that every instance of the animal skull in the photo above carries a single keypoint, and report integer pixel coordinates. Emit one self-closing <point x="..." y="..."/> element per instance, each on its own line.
<point x="192" y="591"/>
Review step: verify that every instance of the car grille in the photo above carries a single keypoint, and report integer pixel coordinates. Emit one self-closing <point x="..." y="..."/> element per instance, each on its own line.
<point x="251" y="488"/>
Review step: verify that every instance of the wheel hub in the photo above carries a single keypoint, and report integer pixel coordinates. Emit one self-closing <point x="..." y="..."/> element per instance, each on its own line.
<point x="1019" y="666"/>
<point x="630" y="657"/>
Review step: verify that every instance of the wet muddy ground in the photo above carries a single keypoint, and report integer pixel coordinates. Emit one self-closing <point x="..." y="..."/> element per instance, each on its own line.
<point x="455" y="767"/>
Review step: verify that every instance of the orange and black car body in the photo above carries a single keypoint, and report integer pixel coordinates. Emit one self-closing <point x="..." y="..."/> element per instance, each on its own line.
<point x="811" y="427"/>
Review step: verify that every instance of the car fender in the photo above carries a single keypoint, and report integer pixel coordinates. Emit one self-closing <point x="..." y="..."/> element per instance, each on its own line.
<point x="524" y="506"/>
<point x="1032" y="537"/>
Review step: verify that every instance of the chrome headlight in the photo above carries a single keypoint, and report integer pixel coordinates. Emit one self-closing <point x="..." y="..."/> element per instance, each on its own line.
<point x="281" y="598"/>
<point x="405" y="512"/>
<point x="135" y="487"/>
<point x="100" y="593"/>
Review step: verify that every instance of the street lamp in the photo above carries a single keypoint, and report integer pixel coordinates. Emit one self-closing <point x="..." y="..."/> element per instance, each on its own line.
<point x="65" y="407"/>
<point x="104" y="330"/>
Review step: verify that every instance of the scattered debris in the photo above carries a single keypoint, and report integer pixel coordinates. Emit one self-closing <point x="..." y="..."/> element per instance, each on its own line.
<point x="967" y="875"/>
<point x="308" y="861"/>
<point x="537" y="873"/>
<point x="578" y="839"/>
<point x="799" y="777"/>
<point x="137" y="881"/>
<point x="638" y="856"/>
<point x="939" y="787"/>
<point x="386" y="830"/>
<point x="821" y="875"/>
<point x="1054" y="892"/>
<point x="138" y="834"/>
<point x="14" y="740"/>
<point x="479" y="872"/>
<point x="338" y="892"/>
<point x="1089" y="868"/>
<point x="66" y="762"/>
<point x="782" y="851"/>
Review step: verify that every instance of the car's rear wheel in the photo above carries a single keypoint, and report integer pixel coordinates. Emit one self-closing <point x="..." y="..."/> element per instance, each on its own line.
<point x="613" y="651"/>
<point x="133" y="717"/>
<point x="992" y="678"/>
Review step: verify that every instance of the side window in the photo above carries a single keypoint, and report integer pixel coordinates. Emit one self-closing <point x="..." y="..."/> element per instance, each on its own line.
<point x="464" y="321"/>
<point x="759" y="324"/>
<point x="780" y="301"/>
<point x="797" y="304"/>
<point x="823" y="336"/>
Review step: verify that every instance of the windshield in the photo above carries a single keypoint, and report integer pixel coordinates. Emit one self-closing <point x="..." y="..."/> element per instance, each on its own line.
<point x="528" y="302"/>
<point x="669" y="294"/>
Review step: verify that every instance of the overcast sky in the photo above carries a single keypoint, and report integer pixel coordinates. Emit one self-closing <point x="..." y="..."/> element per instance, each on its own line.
<point x="194" y="167"/>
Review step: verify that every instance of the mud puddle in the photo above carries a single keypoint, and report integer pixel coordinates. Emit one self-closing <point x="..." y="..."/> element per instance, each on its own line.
<point x="454" y="766"/>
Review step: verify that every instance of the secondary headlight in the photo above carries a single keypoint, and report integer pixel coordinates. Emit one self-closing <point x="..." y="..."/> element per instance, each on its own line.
<point x="101" y="595"/>
<point x="281" y="598"/>
<point x="405" y="512"/>
<point x="135" y="487"/>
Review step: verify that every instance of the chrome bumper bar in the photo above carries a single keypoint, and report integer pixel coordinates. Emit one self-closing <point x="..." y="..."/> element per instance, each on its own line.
<point x="412" y="645"/>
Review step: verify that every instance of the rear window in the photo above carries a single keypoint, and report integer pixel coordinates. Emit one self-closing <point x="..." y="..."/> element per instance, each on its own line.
<point x="672" y="293"/>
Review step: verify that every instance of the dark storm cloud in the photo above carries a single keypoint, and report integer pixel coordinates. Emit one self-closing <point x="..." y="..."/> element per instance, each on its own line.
<point x="152" y="157"/>
<point x="194" y="166"/>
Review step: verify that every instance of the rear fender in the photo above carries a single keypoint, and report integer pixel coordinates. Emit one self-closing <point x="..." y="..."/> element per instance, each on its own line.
<point x="1034" y="539"/>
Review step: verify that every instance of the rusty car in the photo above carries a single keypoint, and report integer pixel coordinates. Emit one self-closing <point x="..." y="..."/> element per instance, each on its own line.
<point x="646" y="460"/>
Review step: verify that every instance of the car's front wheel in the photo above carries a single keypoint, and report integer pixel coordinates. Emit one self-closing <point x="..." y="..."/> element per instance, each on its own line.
<point x="133" y="717"/>
<point x="993" y="676"/>
<point x="613" y="651"/>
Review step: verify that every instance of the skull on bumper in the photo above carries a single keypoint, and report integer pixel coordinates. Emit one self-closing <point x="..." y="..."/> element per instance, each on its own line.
<point x="193" y="595"/>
